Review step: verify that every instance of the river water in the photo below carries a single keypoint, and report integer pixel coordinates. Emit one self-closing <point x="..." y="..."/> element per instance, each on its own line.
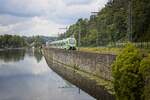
<point x="25" y="75"/>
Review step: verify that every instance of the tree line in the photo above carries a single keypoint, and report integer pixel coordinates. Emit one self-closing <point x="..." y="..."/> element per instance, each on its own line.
<point x="15" y="41"/>
<point x="11" y="41"/>
<point x="113" y="22"/>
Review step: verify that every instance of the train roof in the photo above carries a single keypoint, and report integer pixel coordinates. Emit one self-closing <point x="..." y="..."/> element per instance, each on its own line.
<point x="63" y="40"/>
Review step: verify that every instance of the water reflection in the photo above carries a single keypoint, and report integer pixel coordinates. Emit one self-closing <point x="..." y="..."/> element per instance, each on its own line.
<point x="16" y="55"/>
<point x="12" y="55"/>
<point x="30" y="78"/>
<point x="38" y="55"/>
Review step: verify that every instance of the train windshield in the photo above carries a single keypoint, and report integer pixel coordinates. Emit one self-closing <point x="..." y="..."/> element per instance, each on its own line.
<point x="72" y="41"/>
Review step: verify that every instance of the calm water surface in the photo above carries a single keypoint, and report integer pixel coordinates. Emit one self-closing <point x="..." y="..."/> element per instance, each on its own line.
<point x="25" y="75"/>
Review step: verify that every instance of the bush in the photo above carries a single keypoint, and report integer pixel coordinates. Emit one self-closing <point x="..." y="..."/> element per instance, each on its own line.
<point x="128" y="81"/>
<point x="145" y="71"/>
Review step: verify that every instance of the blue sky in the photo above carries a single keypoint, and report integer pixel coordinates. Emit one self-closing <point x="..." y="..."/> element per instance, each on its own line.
<point x="43" y="17"/>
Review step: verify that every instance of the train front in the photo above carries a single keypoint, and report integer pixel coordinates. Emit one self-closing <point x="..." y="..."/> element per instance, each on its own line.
<point x="72" y="43"/>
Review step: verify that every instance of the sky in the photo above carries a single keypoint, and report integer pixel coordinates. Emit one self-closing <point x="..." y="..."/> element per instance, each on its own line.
<point x="43" y="17"/>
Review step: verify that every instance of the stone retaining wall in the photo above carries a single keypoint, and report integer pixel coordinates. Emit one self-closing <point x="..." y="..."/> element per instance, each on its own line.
<point x="76" y="67"/>
<point x="93" y="63"/>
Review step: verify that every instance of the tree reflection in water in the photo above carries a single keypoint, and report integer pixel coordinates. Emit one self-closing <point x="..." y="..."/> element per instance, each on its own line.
<point x="38" y="55"/>
<point x="15" y="55"/>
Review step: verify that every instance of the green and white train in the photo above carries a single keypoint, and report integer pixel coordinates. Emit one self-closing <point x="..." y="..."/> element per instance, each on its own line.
<point x="68" y="44"/>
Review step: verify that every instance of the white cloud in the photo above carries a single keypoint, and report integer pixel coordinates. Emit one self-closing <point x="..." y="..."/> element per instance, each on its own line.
<point x="77" y="2"/>
<point x="44" y="17"/>
<point x="34" y="26"/>
<point x="6" y="19"/>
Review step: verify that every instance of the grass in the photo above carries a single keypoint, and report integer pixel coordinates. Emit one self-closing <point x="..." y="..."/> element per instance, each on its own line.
<point x="102" y="50"/>
<point x="107" y="50"/>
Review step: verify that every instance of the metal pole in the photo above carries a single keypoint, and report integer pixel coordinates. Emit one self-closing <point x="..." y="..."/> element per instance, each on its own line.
<point x="58" y="36"/>
<point x="130" y="21"/>
<point x="65" y="28"/>
<point x="97" y="36"/>
<point x="97" y="39"/>
<point x="65" y="35"/>
<point x="79" y="36"/>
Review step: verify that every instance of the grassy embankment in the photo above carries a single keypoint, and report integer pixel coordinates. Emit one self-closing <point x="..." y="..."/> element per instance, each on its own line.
<point x="107" y="50"/>
<point x="102" y="50"/>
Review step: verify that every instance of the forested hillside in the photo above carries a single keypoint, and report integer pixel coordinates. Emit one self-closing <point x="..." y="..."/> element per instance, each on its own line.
<point x="112" y="24"/>
<point x="38" y="40"/>
<point x="14" y="41"/>
<point x="11" y="41"/>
